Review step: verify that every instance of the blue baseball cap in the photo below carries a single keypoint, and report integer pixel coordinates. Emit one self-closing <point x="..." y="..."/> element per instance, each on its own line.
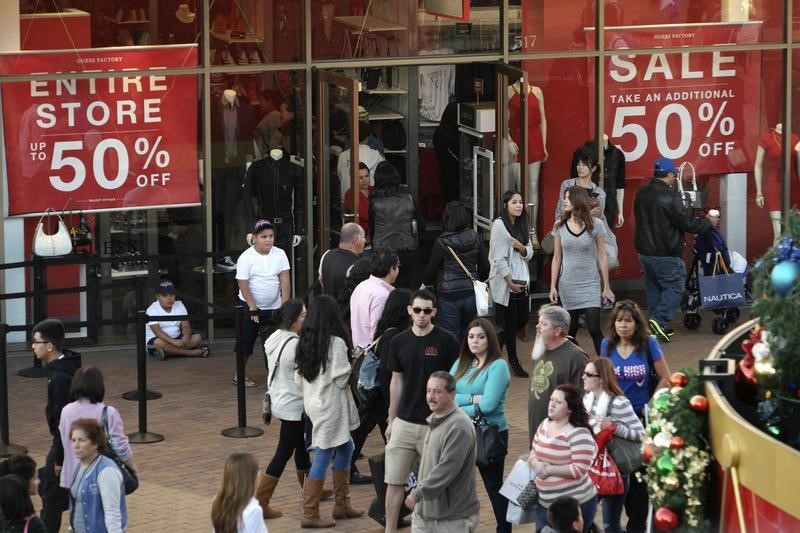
<point x="165" y="286"/>
<point x="664" y="166"/>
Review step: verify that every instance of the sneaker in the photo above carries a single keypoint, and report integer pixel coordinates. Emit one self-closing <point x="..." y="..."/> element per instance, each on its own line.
<point x="248" y="383"/>
<point x="658" y="330"/>
<point x="227" y="59"/>
<point x="254" y="58"/>
<point x="158" y="353"/>
<point x="226" y="263"/>
<point x="670" y="332"/>
<point x="241" y="57"/>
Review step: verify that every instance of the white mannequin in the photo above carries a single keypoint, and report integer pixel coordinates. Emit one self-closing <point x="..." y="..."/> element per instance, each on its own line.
<point x="184" y="15"/>
<point x="533" y="166"/>
<point x="229" y="96"/>
<point x="758" y="169"/>
<point x="276" y="154"/>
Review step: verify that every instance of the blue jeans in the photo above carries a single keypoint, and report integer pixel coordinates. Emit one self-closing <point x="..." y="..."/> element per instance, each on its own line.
<point x="612" y="509"/>
<point x="455" y="315"/>
<point x="341" y="456"/>
<point x="664" y="281"/>
<point x="588" y="509"/>
<point x="492" y="481"/>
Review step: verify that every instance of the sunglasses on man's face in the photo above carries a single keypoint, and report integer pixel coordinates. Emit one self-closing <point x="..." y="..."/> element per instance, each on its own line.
<point x="426" y="310"/>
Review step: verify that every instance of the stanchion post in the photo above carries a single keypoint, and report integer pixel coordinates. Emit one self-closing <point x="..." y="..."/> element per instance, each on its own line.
<point x="142" y="436"/>
<point x="241" y="431"/>
<point x="6" y="448"/>
<point x="141" y="354"/>
<point x="39" y="286"/>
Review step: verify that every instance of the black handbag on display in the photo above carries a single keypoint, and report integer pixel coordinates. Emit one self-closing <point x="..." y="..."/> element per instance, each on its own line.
<point x="490" y="444"/>
<point x="128" y="477"/>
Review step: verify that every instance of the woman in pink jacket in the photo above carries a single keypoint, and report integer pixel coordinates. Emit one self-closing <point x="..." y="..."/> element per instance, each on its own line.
<point x="87" y="393"/>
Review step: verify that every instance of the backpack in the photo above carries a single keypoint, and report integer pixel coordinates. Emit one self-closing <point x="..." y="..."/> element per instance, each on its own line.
<point x="368" y="366"/>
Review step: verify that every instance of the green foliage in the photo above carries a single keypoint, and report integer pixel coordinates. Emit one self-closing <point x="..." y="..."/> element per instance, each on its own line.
<point x="780" y="314"/>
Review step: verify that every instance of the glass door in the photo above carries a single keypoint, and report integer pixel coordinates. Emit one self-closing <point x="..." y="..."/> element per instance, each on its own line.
<point x="336" y="154"/>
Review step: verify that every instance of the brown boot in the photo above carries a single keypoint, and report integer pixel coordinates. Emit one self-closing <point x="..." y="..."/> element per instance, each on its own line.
<point x="341" y="492"/>
<point x="301" y="476"/>
<point x="311" y="493"/>
<point x="266" y="486"/>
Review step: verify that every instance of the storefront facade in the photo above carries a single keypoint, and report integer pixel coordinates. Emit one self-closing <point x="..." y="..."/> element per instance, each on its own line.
<point x="151" y="124"/>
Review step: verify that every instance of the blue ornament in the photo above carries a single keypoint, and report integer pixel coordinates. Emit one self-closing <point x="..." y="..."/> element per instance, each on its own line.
<point x="783" y="276"/>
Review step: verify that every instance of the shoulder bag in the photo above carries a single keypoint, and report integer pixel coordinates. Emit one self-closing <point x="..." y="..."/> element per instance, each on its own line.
<point x="266" y="405"/>
<point x="626" y="453"/>
<point x="55" y="244"/>
<point x="605" y="475"/>
<point x="481" y="288"/>
<point x="490" y="445"/>
<point x="129" y="478"/>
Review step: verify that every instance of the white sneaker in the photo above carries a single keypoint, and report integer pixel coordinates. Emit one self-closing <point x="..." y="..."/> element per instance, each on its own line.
<point x="254" y="58"/>
<point x="241" y="57"/>
<point x="226" y="263"/>
<point x="227" y="59"/>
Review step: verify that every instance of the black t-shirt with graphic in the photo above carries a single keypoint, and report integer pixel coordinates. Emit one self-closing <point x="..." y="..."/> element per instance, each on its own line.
<point x="417" y="358"/>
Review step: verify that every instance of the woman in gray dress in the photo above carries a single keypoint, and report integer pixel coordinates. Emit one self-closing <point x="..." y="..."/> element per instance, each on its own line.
<point x="579" y="275"/>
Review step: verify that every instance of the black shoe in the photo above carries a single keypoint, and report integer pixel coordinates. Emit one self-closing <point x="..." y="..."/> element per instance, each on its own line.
<point x="357" y="478"/>
<point x="516" y="367"/>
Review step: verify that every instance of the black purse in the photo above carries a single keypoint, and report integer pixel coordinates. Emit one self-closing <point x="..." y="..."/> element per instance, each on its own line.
<point x="128" y="477"/>
<point x="490" y="444"/>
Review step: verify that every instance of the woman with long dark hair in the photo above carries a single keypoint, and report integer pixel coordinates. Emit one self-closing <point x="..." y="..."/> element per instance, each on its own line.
<point x="482" y="380"/>
<point x="578" y="244"/>
<point x="323" y="372"/>
<point x="393" y="218"/>
<point x="287" y="404"/>
<point x="637" y="358"/>
<point x="16" y="508"/>
<point x="458" y="242"/>
<point x="235" y="509"/>
<point x="563" y="450"/>
<point x="510" y="250"/>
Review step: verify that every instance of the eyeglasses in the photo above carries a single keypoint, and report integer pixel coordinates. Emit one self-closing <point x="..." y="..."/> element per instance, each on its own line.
<point x="426" y="310"/>
<point x="588" y="375"/>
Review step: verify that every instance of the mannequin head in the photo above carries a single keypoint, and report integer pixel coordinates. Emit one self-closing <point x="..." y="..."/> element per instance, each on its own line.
<point x="184" y="15"/>
<point x="779" y="128"/>
<point x="229" y="96"/>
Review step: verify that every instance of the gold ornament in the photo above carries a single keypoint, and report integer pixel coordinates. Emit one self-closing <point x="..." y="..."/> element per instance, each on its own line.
<point x="672" y="483"/>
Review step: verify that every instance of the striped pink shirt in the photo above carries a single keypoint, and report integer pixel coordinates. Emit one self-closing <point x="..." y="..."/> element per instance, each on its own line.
<point x="574" y="447"/>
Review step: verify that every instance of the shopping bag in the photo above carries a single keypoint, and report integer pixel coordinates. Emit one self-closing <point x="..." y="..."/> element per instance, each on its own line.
<point x="517" y="479"/>
<point x="517" y="515"/>
<point x="721" y="290"/>
<point x="605" y="475"/>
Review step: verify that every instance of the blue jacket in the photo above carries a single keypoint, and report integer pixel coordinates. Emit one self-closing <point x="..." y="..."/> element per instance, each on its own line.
<point x="89" y="496"/>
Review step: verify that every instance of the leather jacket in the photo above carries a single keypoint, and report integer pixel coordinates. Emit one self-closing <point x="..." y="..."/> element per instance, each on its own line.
<point x="662" y="219"/>
<point x="451" y="277"/>
<point x="394" y="223"/>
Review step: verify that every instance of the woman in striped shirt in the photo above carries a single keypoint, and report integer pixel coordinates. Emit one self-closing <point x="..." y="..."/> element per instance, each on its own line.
<point x="563" y="450"/>
<point x="607" y="407"/>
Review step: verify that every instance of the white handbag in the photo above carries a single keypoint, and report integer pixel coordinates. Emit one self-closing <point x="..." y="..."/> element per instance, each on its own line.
<point x="481" y="288"/>
<point x="55" y="244"/>
<point x="692" y="198"/>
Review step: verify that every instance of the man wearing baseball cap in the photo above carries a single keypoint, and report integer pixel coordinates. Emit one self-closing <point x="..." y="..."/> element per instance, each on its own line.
<point x="661" y="221"/>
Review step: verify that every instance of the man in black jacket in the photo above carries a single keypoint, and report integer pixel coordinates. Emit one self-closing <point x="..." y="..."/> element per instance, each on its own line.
<point x="48" y="344"/>
<point x="661" y="221"/>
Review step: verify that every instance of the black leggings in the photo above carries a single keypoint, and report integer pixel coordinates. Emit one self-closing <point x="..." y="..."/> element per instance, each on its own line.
<point x="515" y="316"/>
<point x="592" y="323"/>
<point x="290" y="442"/>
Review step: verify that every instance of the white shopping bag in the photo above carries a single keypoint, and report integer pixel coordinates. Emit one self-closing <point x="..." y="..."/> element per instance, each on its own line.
<point x="517" y="479"/>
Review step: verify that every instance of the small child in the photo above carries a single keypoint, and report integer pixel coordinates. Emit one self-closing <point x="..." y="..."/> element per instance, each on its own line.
<point x="171" y="337"/>
<point x="564" y="516"/>
<point x="708" y="244"/>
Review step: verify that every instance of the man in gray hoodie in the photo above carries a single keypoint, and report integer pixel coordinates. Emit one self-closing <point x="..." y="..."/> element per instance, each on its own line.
<point x="445" y="500"/>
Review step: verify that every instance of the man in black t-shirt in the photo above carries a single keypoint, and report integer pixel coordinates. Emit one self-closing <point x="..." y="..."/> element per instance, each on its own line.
<point x="334" y="267"/>
<point x="413" y="356"/>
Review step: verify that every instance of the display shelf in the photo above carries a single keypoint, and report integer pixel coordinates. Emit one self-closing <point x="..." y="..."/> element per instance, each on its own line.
<point x="383" y="89"/>
<point x="368" y="23"/>
<point x="379" y="113"/>
<point x="225" y="37"/>
<point x="423" y="123"/>
<point x="400" y="152"/>
<point x="124" y="23"/>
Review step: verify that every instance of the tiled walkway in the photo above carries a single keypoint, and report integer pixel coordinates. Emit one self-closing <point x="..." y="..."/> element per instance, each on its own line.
<point x="181" y="473"/>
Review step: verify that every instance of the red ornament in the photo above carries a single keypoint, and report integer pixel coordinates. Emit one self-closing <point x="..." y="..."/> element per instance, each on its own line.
<point x="698" y="403"/>
<point x="676" y="443"/>
<point x="665" y="519"/>
<point x="678" y="379"/>
<point x="647" y="452"/>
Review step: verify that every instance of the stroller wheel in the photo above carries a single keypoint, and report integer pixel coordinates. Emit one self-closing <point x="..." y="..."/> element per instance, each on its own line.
<point x="692" y="320"/>
<point x="732" y="315"/>
<point x="720" y="326"/>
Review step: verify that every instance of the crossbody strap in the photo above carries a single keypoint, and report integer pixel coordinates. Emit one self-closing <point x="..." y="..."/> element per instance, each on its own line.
<point x="275" y="368"/>
<point x="460" y="263"/>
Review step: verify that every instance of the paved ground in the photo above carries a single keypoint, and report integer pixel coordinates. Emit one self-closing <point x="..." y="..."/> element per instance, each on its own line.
<point x="181" y="473"/>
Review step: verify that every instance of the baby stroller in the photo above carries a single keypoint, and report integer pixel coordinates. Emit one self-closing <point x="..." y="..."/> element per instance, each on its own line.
<point x="705" y="251"/>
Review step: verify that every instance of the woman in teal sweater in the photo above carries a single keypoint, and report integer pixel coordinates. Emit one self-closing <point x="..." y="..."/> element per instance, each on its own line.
<point x="482" y="379"/>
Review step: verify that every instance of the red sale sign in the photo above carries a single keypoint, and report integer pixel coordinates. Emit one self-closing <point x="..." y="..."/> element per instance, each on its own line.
<point x="700" y="107"/>
<point x="122" y="142"/>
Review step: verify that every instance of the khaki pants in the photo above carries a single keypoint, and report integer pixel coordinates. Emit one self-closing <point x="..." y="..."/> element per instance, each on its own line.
<point x="460" y="525"/>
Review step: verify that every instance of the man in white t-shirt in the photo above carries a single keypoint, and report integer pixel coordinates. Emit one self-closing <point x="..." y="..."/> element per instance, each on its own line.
<point x="171" y="337"/>
<point x="262" y="273"/>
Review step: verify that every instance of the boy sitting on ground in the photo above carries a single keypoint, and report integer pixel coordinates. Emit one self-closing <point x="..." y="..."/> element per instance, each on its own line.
<point x="171" y="337"/>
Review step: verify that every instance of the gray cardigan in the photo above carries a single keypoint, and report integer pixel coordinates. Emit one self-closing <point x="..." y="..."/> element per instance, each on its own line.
<point x="446" y="489"/>
<point x="503" y="260"/>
